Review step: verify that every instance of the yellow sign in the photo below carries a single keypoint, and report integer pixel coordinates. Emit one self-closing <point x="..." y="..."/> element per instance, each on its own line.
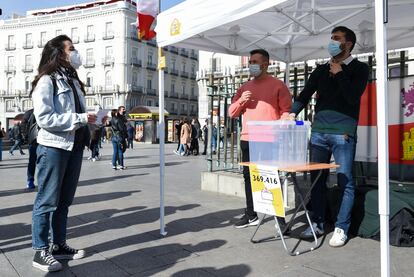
<point x="175" y="28"/>
<point x="408" y="145"/>
<point x="266" y="190"/>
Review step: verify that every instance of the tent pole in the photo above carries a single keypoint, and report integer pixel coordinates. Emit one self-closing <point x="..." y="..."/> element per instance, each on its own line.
<point x="382" y="125"/>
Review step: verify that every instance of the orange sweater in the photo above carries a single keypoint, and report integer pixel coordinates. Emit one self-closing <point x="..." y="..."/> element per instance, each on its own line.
<point x="270" y="99"/>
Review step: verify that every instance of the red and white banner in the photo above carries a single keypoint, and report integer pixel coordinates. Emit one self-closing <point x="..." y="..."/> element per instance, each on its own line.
<point x="147" y="11"/>
<point x="400" y="123"/>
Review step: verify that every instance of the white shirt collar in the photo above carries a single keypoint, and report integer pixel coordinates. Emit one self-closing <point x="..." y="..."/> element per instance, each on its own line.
<point x="348" y="60"/>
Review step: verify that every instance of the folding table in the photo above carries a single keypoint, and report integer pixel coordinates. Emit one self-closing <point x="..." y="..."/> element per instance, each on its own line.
<point x="291" y="171"/>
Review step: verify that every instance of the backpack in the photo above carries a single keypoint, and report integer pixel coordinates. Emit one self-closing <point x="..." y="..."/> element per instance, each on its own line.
<point x="32" y="129"/>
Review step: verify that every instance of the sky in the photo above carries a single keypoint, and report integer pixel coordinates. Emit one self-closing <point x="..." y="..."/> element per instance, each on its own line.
<point x="21" y="6"/>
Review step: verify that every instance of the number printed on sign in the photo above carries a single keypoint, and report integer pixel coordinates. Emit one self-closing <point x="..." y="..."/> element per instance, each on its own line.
<point x="268" y="180"/>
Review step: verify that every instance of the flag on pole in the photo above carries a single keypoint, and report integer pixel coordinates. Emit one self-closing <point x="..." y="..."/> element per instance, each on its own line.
<point x="147" y="11"/>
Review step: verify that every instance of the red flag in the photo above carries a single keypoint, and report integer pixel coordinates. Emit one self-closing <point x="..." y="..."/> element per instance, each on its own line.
<point x="147" y="11"/>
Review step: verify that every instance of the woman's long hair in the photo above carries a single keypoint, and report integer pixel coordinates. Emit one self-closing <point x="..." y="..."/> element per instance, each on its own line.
<point x="54" y="59"/>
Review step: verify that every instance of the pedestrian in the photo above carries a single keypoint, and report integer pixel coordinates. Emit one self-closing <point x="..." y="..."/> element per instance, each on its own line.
<point x="18" y="136"/>
<point x="195" y="133"/>
<point x="131" y="135"/>
<point x="262" y="98"/>
<point x="177" y="126"/>
<point x="119" y="135"/>
<point x="340" y="84"/>
<point x="2" y="135"/>
<point x="29" y="121"/>
<point x="185" y="139"/>
<point x="214" y="139"/>
<point x="205" y="137"/>
<point x="60" y="111"/>
<point x="94" y="144"/>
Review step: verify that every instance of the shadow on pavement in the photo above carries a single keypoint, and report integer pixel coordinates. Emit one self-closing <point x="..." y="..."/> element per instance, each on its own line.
<point x="233" y="270"/>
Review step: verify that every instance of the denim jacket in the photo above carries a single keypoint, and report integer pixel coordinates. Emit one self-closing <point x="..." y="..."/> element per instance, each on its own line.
<point x="55" y="112"/>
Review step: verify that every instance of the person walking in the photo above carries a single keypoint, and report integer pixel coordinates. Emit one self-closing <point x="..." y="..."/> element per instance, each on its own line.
<point x="185" y="138"/>
<point x="119" y="135"/>
<point x="205" y="137"/>
<point x="60" y="111"/>
<point x="2" y="135"/>
<point x="178" y="126"/>
<point x="195" y="135"/>
<point x="29" y="121"/>
<point x="131" y="135"/>
<point x="340" y="84"/>
<point x="262" y="98"/>
<point x="18" y="136"/>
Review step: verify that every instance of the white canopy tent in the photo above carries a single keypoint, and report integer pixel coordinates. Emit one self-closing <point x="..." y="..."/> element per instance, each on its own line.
<point x="295" y="30"/>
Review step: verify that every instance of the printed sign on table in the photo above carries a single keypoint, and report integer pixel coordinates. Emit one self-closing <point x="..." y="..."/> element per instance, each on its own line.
<point x="266" y="190"/>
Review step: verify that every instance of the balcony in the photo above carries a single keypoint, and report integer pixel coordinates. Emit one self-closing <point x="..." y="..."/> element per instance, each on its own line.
<point x="151" y="66"/>
<point x="28" y="45"/>
<point x="193" y="55"/>
<point x="108" y="61"/>
<point x="193" y="76"/>
<point x="173" y="111"/>
<point x="193" y="113"/>
<point x="75" y="40"/>
<point x="136" y="62"/>
<point x="10" y="46"/>
<point x="89" y="38"/>
<point x="173" y="94"/>
<point x="152" y="42"/>
<point x="183" y="96"/>
<point x="41" y="44"/>
<point x="173" y="49"/>
<point x="108" y="35"/>
<point x="194" y="97"/>
<point x="174" y="72"/>
<point x="27" y="68"/>
<point x="89" y="64"/>
<point x="10" y="69"/>
<point x="151" y="91"/>
<point x="183" y="52"/>
<point x="138" y="89"/>
<point x="184" y="74"/>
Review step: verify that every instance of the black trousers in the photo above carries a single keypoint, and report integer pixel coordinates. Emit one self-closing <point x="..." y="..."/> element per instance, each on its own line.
<point x="244" y="146"/>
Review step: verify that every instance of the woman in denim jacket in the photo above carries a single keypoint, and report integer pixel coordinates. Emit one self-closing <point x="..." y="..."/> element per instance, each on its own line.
<point x="59" y="108"/>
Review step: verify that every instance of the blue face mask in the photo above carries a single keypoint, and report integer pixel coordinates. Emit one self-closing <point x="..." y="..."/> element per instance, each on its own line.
<point x="334" y="48"/>
<point x="255" y="70"/>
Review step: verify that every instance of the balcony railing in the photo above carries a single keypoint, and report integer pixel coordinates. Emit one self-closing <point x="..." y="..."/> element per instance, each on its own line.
<point x="27" y="68"/>
<point x="152" y="42"/>
<point x="89" y="64"/>
<point x="10" y="46"/>
<point x="174" y="71"/>
<point x="28" y="45"/>
<point x="193" y="97"/>
<point x="151" y="66"/>
<point x="184" y="52"/>
<point x="151" y="91"/>
<point x="75" y="40"/>
<point x="10" y="69"/>
<point x="173" y="111"/>
<point x="183" y="96"/>
<point x="173" y="49"/>
<point x="136" y="88"/>
<point x="193" y="76"/>
<point x="136" y="62"/>
<point x="184" y="74"/>
<point x="173" y="94"/>
<point x="89" y="38"/>
<point x="134" y="36"/>
<point x="108" y="61"/>
<point x="108" y="35"/>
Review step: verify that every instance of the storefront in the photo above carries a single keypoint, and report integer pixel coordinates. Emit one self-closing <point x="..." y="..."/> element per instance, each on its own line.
<point x="145" y="121"/>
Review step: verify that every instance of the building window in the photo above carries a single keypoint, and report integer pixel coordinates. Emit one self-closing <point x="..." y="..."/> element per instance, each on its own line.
<point x="42" y="38"/>
<point x="134" y="53"/>
<point x="89" y="30"/>
<point x="74" y="34"/>
<point x="10" y="85"/>
<point x="29" y="41"/>
<point x="183" y="89"/>
<point x="28" y="61"/>
<point x="89" y="80"/>
<point x="173" y="64"/>
<point x="172" y="87"/>
<point x="90" y="102"/>
<point x="27" y="104"/>
<point x="9" y="105"/>
<point x="27" y="84"/>
<point x="108" y="80"/>
<point x="183" y="67"/>
<point x="149" y="58"/>
<point x="108" y="29"/>
<point x="149" y="102"/>
<point x="107" y="102"/>
<point x="11" y="43"/>
<point x="134" y="78"/>
<point x="183" y="108"/>
<point x="192" y="91"/>
<point x="108" y="52"/>
<point x="89" y="57"/>
<point x="58" y="32"/>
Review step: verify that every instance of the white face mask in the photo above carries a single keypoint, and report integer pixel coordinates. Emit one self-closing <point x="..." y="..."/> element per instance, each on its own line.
<point x="255" y="70"/>
<point x="75" y="59"/>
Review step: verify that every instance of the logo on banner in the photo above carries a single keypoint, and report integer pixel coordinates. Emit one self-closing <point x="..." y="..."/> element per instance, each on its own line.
<point x="175" y="28"/>
<point x="408" y="100"/>
<point x="266" y="190"/>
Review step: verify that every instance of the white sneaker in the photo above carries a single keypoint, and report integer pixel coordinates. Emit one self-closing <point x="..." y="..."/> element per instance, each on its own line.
<point x="93" y="160"/>
<point x="338" y="238"/>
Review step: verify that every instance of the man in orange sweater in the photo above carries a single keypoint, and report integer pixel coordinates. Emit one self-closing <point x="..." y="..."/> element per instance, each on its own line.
<point x="262" y="98"/>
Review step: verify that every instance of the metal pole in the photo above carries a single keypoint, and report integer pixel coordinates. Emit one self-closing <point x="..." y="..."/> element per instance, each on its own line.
<point x="161" y="132"/>
<point x="382" y="116"/>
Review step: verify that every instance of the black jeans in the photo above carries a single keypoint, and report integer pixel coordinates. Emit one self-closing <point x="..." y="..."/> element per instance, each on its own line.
<point x="244" y="146"/>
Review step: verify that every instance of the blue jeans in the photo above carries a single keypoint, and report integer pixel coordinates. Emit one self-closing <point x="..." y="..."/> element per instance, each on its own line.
<point x="343" y="149"/>
<point x="31" y="167"/>
<point x="117" y="155"/>
<point x="18" y="144"/>
<point x="57" y="179"/>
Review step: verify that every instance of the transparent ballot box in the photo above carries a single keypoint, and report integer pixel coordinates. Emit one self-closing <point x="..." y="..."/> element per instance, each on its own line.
<point x="279" y="143"/>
